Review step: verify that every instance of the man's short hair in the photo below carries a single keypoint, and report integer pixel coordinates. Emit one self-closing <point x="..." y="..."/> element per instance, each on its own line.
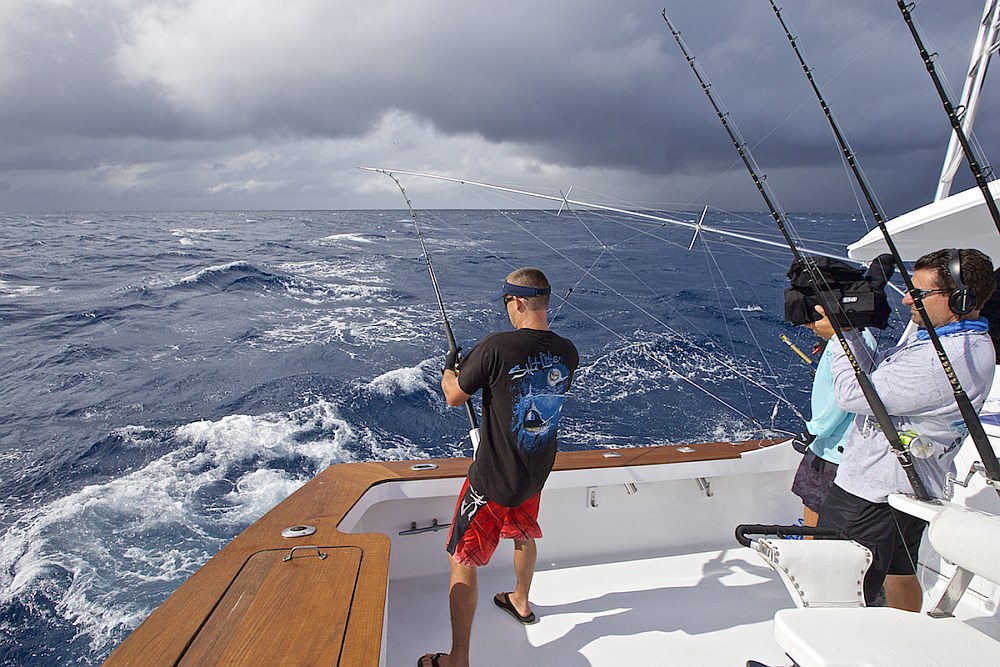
<point x="529" y="276"/>
<point x="976" y="271"/>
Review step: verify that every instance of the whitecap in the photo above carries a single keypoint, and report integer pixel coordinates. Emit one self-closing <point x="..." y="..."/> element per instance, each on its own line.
<point x="352" y="238"/>
<point x="350" y="327"/>
<point x="403" y="381"/>
<point x="218" y="268"/>
<point x="105" y="554"/>
<point x="10" y="290"/>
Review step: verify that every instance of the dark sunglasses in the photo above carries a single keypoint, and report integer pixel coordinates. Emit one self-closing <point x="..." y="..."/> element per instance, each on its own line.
<point x="918" y="293"/>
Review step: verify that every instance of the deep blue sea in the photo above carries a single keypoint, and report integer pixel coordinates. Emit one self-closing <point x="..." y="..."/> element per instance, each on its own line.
<point x="165" y="378"/>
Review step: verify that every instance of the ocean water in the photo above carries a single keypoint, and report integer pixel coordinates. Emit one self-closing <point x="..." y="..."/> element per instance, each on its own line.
<point x="168" y="377"/>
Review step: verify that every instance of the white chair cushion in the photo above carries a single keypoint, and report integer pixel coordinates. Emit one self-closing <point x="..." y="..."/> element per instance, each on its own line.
<point x="968" y="539"/>
<point x="881" y="637"/>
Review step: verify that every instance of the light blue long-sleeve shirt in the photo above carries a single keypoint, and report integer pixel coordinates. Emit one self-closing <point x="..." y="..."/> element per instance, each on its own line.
<point x="829" y="422"/>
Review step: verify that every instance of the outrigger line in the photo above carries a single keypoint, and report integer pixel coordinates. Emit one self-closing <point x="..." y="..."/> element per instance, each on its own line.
<point x="969" y="414"/>
<point x="473" y="421"/>
<point x="589" y="271"/>
<point x="871" y="396"/>
<point x="565" y="201"/>
<point x="956" y="122"/>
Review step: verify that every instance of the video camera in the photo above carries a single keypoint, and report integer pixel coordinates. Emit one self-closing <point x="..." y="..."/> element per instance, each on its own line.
<point x="855" y="299"/>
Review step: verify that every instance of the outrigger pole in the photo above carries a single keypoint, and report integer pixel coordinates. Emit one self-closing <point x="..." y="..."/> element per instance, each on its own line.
<point x="968" y="104"/>
<point x="564" y="202"/>
<point x="965" y="406"/>
<point x="953" y="116"/>
<point x="470" y="411"/>
<point x="871" y="396"/>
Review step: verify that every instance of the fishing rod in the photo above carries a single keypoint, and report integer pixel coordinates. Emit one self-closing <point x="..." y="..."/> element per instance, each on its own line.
<point x="452" y="345"/>
<point x="871" y="396"/>
<point x="953" y="116"/>
<point x="805" y="357"/>
<point x="965" y="406"/>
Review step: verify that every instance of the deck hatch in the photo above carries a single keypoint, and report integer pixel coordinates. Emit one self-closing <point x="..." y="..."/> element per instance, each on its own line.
<point x="307" y="597"/>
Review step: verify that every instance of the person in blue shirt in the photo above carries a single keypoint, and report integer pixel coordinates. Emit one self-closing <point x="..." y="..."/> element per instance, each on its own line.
<point x="825" y="431"/>
<point x="822" y="442"/>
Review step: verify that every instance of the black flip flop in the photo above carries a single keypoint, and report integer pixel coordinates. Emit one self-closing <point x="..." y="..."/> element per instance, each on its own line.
<point x="502" y="600"/>
<point x="434" y="659"/>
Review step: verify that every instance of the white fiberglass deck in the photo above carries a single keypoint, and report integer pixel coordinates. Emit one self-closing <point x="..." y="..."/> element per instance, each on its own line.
<point x="710" y="608"/>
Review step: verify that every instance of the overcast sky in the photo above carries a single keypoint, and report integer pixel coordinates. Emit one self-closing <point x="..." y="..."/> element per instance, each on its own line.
<point x="251" y="104"/>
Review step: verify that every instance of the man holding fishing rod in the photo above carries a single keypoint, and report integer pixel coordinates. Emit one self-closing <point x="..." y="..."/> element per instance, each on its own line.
<point x="953" y="286"/>
<point x="524" y="375"/>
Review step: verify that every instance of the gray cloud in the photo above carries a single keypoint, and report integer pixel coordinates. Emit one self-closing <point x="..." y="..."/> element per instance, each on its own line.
<point x="140" y="104"/>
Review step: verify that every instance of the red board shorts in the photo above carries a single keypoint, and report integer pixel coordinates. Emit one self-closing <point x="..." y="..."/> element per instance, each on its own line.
<point x="479" y="525"/>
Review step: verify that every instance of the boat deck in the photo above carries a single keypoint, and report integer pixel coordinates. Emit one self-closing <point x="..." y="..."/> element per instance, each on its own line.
<point x="708" y="608"/>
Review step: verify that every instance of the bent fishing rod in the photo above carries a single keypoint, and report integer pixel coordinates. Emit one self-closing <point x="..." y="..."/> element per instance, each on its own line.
<point x="452" y="345"/>
<point x="953" y="115"/>
<point x="968" y="411"/>
<point x="871" y="396"/>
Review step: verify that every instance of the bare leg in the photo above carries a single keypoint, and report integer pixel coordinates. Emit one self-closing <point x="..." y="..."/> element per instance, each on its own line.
<point x="902" y="591"/>
<point x="463" y="594"/>
<point x="525" y="555"/>
<point x="809" y="518"/>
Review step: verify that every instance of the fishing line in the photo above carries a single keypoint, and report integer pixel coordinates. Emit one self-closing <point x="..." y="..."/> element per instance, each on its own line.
<point x="718" y="359"/>
<point x="649" y="355"/>
<point x="711" y="257"/>
<point x="569" y="292"/>
<point x="738" y="372"/>
<point x="655" y="319"/>
<point x="604" y="250"/>
<point x="452" y="345"/>
<point x="614" y="220"/>
<point x="968" y="411"/>
<point x="780" y="219"/>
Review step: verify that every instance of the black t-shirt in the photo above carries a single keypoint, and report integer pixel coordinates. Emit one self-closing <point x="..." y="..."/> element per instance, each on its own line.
<point x="524" y="375"/>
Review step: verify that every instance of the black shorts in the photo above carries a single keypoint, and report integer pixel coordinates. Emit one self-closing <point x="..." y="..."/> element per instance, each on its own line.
<point x="813" y="480"/>
<point x="892" y="536"/>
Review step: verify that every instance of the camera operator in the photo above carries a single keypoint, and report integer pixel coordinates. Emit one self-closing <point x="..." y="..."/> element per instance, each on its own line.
<point x="953" y="286"/>
<point x="822" y="442"/>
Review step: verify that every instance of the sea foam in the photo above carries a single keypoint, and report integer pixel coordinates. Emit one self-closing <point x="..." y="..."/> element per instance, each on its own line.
<point x="92" y="555"/>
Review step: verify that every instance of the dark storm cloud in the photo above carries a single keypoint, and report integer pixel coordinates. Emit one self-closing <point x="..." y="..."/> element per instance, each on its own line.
<point x="216" y="104"/>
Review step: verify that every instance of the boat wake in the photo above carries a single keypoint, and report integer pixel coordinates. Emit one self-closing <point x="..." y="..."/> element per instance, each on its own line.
<point x="95" y="562"/>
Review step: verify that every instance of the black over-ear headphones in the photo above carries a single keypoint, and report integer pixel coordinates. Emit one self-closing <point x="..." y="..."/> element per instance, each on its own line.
<point x="962" y="300"/>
